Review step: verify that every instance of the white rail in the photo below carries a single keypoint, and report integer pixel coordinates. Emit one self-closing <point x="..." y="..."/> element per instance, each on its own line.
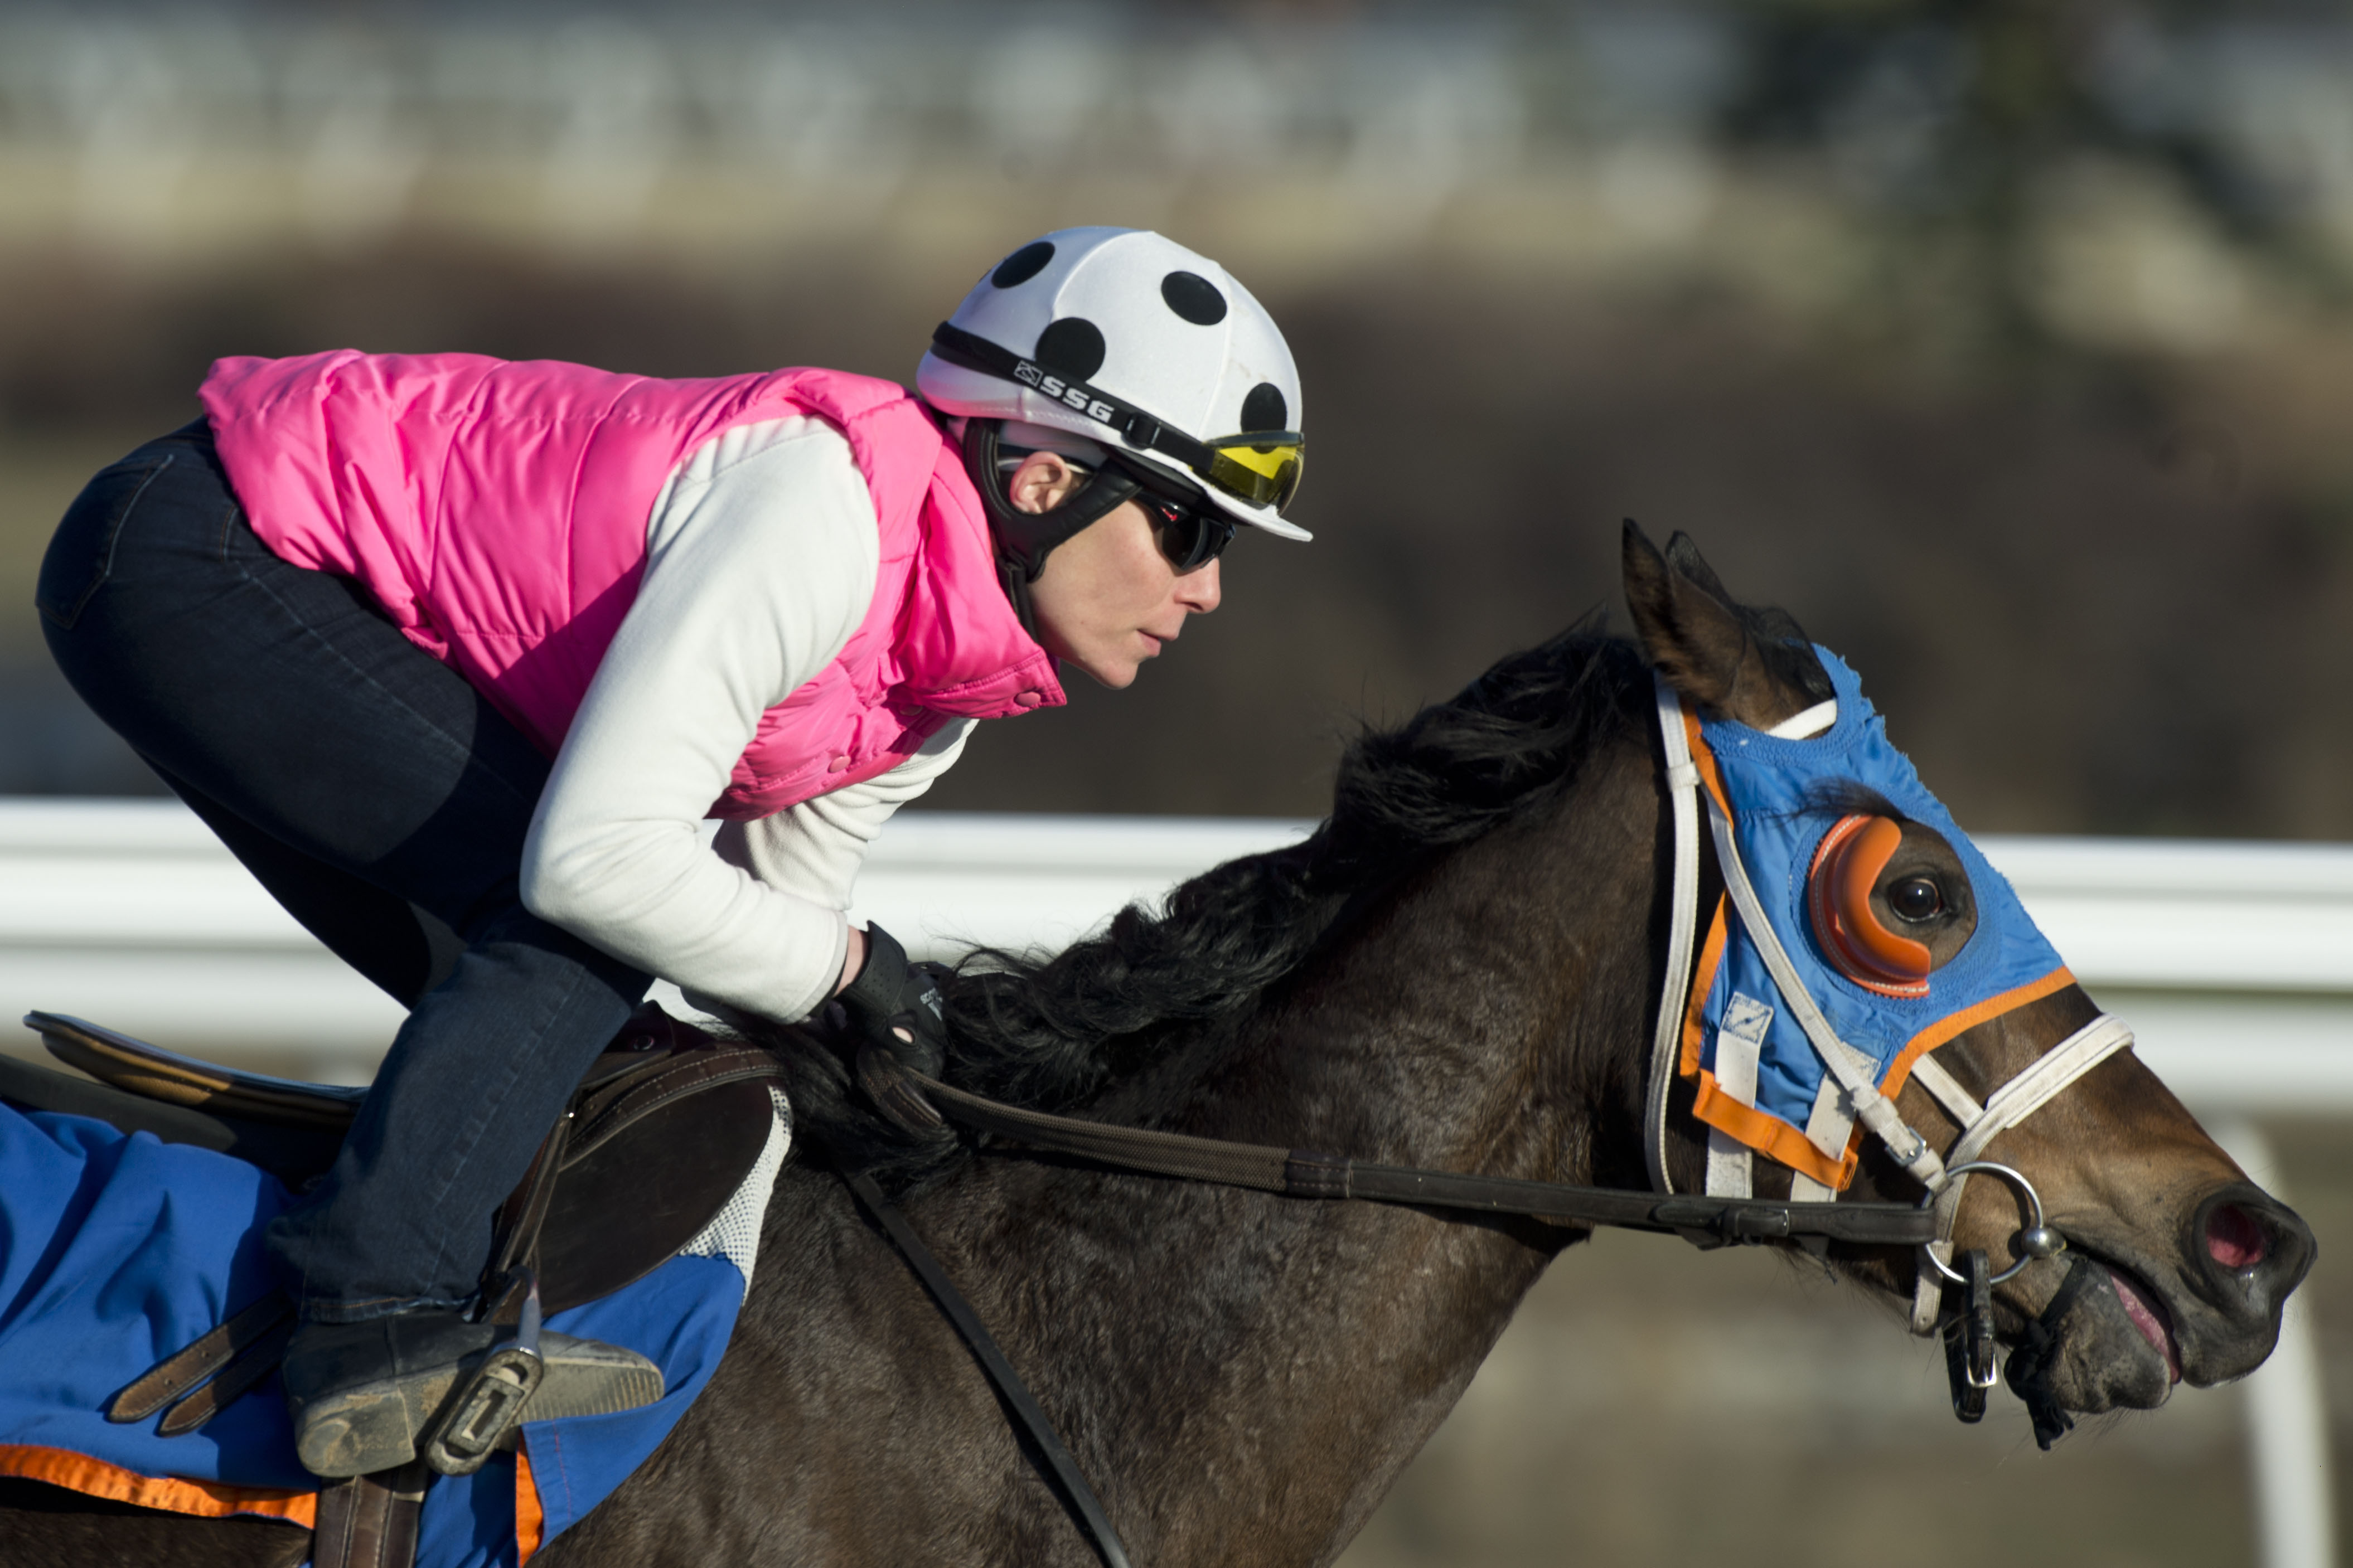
<point x="132" y="912"/>
<point x="2234" y="963"/>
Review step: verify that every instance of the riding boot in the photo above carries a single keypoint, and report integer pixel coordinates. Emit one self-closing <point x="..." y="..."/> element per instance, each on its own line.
<point x="364" y="1396"/>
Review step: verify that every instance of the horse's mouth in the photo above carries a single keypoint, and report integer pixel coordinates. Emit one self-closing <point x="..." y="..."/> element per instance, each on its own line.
<point x="2148" y="1312"/>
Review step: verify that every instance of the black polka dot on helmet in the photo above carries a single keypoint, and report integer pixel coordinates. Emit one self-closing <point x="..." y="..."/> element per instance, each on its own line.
<point x="1194" y="298"/>
<point x="1072" y="346"/>
<point x="1264" y="408"/>
<point x="1022" y="264"/>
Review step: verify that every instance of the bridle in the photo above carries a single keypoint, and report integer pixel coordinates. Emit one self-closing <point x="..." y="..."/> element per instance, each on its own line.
<point x="1709" y="1219"/>
<point x="1945" y="1177"/>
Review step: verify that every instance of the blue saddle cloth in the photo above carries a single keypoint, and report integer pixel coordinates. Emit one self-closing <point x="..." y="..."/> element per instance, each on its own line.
<point x="117" y="1250"/>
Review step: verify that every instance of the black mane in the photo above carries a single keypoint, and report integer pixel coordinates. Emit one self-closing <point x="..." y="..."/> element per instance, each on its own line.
<point x="1052" y="1032"/>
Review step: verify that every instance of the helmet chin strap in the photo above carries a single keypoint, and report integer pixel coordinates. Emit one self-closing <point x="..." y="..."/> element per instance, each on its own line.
<point x="1024" y="539"/>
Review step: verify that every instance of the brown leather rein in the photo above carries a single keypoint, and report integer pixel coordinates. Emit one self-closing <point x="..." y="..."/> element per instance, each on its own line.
<point x="1706" y="1222"/>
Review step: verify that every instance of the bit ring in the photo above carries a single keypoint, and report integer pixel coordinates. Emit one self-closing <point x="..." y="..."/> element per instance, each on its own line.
<point x="2037" y="1241"/>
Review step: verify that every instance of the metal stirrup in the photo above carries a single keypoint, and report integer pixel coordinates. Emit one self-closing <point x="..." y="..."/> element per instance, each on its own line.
<point x="488" y="1404"/>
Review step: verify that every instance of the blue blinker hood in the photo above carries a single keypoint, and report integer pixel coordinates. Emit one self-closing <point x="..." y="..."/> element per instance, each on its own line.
<point x="1761" y="1081"/>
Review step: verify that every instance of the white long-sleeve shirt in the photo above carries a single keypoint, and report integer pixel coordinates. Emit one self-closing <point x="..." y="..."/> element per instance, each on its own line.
<point x="762" y="555"/>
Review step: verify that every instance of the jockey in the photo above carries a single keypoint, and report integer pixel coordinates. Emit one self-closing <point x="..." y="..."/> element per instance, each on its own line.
<point x="457" y="655"/>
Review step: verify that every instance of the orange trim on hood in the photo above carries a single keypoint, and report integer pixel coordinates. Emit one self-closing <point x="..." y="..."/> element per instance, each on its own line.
<point x="1703" y="759"/>
<point x="1944" y="1029"/>
<point x="1711" y="955"/>
<point x="1769" y="1135"/>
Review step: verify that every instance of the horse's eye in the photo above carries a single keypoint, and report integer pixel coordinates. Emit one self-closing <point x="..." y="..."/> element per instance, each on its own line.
<point x="1916" y="899"/>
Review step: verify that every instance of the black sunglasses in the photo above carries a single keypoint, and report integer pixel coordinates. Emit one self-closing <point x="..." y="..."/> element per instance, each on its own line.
<point x="1190" y="537"/>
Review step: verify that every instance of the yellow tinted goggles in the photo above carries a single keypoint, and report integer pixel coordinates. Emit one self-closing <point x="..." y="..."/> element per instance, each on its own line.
<point x="1261" y="466"/>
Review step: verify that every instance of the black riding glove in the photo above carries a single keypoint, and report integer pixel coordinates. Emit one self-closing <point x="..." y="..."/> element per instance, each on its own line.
<point x="896" y="1012"/>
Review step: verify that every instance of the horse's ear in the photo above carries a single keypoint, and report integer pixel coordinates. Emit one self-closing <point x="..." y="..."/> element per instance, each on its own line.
<point x="1700" y="640"/>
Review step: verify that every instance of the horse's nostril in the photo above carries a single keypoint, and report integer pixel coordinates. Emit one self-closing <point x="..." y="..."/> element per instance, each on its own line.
<point x="2233" y="1240"/>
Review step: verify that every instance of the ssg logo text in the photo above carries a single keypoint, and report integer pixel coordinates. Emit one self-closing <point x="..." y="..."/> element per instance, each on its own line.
<point x="1061" y="391"/>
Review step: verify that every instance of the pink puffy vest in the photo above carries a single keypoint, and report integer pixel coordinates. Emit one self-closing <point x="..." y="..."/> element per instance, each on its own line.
<point x="498" y="512"/>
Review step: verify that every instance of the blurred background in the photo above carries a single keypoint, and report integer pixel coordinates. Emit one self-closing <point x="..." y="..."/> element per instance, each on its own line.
<point x="2008" y="344"/>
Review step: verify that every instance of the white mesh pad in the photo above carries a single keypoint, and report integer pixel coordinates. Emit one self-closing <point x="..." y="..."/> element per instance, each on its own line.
<point x="734" y="1232"/>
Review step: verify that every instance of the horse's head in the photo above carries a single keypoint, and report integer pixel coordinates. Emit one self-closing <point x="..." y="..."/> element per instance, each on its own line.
<point x="1912" y="951"/>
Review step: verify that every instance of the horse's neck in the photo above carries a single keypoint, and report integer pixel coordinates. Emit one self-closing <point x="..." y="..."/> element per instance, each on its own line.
<point x="1241" y="1375"/>
<point x="1247" y="1373"/>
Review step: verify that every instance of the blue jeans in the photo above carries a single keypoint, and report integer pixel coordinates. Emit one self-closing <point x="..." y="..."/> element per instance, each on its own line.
<point x="384" y="801"/>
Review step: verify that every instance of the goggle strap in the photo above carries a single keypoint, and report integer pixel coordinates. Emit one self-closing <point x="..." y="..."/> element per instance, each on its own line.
<point x="1142" y="431"/>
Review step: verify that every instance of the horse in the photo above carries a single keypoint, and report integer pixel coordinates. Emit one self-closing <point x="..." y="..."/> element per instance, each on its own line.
<point x="1457" y="969"/>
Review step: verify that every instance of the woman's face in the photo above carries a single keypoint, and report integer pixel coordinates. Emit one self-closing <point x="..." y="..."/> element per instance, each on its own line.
<point x="1108" y="599"/>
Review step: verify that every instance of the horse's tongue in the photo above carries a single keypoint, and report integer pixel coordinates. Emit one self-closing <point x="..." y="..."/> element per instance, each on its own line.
<point x="2149" y="1318"/>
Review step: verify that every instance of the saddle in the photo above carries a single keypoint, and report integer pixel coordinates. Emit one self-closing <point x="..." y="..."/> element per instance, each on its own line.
<point x="660" y="1134"/>
<point x="661" y="1130"/>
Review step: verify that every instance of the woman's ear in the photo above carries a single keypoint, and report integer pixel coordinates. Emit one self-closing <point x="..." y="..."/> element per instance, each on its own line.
<point x="1043" y="481"/>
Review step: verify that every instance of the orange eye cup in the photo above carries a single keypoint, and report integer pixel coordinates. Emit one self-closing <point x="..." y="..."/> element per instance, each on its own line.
<point x="1838" y="897"/>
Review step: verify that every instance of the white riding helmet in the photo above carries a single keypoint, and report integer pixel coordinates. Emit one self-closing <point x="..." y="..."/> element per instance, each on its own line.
<point x="1129" y="340"/>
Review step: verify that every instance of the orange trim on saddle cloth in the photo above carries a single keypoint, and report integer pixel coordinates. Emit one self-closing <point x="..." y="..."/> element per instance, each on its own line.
<point x="173" y="1494"/>
<point x="530" y="1520"/>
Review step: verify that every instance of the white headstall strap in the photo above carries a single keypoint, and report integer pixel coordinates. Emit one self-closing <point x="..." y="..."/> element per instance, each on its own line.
<point x="1811" y="721"/>
<point x="2012" y="1103"/>
<point x="2031" y="1091"/>
<point x="1682" y="793"/>
<point x="1959" y="1103"/>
